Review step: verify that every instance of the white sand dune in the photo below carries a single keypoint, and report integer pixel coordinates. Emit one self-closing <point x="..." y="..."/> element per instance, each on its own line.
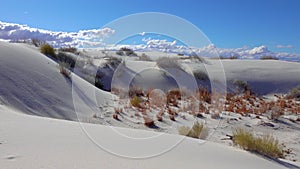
<point x="36" y="142"/>
<point x="31" y="84"/>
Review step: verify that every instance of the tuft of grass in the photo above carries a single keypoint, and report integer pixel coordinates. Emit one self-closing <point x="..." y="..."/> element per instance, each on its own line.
<point x="198" y="130"/>
<point x="266" y="145"/>
<point x="136" y="101"/>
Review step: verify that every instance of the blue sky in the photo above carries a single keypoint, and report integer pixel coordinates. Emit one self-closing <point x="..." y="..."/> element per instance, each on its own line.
<point x="227" y="23"/>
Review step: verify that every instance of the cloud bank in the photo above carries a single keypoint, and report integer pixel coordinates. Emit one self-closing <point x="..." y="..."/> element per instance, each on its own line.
<point x="211" y="50"/>
<point x="94" y="37"/>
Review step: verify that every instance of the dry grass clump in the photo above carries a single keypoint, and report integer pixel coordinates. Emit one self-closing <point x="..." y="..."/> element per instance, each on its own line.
<point x="198" y="130"/>
<point x="136" y="102"/>
<point x="135" y="91"/>
<point x="156" y="98"/>
<point x="173" y="96"/>
<point x="48" y="50"/>
<point x="266" y="145"/>
<point x="294" y="93"/>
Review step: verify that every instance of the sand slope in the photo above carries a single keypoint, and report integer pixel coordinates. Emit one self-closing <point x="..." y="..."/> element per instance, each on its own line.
<point x="32" y="83"/>
<point x="35" y="142"/>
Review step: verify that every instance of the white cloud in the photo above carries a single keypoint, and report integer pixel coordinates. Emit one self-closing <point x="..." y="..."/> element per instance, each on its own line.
<point x="143" y="33"/>
<point x="94" y="37"/>
<point x="212" y="50"/>
<point x="284" y="46"/>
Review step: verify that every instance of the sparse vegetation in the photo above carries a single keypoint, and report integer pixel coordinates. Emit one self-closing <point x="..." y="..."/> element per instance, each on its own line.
<point x="198" y="130"/>
<point x="144" y="57"/>
<point x="228" y="57"/>
<point x="124" y="51"/>
<point x="37" y="42"/>
<point x="266" y="145"/>
<point x="64" y="69"/>
<point x="48" y="50"/>
<point x="241" y="85"/>
<point x="136" y="101"/>
<point x="135" y="91"/>
<point x="69" y="49"/>
<point x="168" y="62"/>
<point x="64" y="57"/>
<point x="268" y="58"/>
<point x="294" y="93"/>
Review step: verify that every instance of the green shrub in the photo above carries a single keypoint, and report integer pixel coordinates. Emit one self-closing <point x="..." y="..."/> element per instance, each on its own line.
<point x="48" y="50"/>
<point x="266" y="145"/>
<point x="197" y="131"/>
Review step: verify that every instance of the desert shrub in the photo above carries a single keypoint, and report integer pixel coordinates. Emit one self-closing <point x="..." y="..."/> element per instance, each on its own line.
<point x="198" y="130"/>
<point x="230" y="57"/>
<point x="168" y="62"/>
<point x="64" y="69"/>
<point x="126" y="51"/>
<point x="63" y="57"/>
<point x="135" y="91"/>
<point x="136" y="101"/>
<point x="69" y="49"/>
<point x="241" y="85"/>
<point x="204" y="95"/>
<point x="37" y="42"/>
<point x="157" y="98"/>
<point x="173" y="96"/>
<point x="268" y="58"/>
<point x="276" y="112"/>
<point x="48" y="50"/>
<point x="294" y="93"/>
<point x="144" y="57"/>
<point x="112" y="62"/>
<point x="200" y="75"/>
<point x="266" y="145"/>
